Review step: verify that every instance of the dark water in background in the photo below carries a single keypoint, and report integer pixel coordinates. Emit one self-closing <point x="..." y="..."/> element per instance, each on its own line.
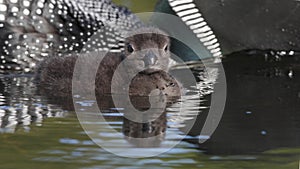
<point x="260" y="127"/>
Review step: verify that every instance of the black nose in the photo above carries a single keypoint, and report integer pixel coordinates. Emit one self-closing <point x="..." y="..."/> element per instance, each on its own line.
<point x="150" y="58"/>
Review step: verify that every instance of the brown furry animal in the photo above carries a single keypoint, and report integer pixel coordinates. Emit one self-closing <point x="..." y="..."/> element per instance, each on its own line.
<point x="146" y="52"/>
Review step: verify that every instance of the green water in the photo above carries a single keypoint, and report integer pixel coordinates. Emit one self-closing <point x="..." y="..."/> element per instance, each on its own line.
<point x="43" y="148"/>
<point x="137" y="5"/>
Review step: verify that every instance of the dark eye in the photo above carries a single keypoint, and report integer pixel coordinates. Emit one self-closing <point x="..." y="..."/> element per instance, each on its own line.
<point x="166" y="48"/>
<point x="130" y="48"/>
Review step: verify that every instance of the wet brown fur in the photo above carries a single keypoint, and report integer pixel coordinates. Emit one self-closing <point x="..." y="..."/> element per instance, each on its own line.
<point x="55" y="73"/>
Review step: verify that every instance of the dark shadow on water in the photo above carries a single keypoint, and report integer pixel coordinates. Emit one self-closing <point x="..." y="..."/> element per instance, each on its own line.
<point x="262" y="106"/>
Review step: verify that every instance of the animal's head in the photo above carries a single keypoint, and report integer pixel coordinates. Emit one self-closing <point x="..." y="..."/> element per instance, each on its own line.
<point x="148" y="48"/>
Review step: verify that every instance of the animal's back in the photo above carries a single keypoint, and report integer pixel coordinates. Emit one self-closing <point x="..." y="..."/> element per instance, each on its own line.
<point x="33" y="30"/>
<point x="55" y="75"/>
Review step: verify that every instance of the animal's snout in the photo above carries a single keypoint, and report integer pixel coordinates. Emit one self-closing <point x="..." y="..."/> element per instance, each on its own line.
<point x="150" y="58"/>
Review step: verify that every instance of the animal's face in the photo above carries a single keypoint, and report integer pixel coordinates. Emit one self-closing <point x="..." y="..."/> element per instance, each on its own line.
<point x="149" y="51"/>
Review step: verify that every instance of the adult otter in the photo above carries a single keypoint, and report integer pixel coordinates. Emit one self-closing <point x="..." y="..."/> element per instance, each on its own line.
<point x="146" y="51"/>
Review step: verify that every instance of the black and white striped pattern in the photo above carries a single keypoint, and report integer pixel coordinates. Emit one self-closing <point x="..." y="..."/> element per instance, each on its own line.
<point x="33" y="29"/>
<point x="190" y="15"/>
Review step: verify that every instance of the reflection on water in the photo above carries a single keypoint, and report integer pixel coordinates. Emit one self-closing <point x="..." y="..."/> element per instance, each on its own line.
<point x="19" y="106"/>
<point x="260" y="127"/>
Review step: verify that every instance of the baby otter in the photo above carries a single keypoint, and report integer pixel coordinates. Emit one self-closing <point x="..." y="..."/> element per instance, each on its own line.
<point x="146" y="51"/>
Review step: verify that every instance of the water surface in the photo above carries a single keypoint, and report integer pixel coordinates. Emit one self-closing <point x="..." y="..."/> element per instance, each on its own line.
<point x="260" y="127"/>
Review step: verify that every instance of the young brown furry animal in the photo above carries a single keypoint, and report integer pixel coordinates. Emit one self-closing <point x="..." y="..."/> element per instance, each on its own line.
<point x="146" y="51"/>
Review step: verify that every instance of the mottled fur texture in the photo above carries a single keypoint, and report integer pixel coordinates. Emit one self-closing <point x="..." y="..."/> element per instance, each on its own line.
<point x="55" y="73"/>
